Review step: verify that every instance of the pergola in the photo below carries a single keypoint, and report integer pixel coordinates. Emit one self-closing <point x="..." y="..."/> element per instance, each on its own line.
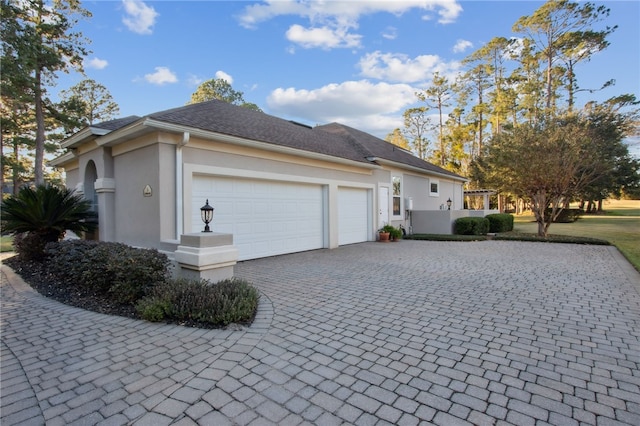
<point x="484" y="193"/>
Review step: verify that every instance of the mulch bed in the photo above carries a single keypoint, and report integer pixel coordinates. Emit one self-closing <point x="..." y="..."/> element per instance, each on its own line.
<point x="36" y="275"/>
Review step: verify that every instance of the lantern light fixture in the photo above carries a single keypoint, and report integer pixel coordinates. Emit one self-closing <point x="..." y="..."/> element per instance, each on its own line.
<point x="449" y="204"/>
<point x="206" y="213"/>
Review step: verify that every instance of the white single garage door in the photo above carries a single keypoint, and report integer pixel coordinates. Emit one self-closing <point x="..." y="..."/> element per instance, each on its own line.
<point x="266" y="218"/>
<point x="353" y="215"/>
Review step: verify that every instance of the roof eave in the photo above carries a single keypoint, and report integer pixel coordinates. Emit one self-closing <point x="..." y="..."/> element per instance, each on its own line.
<point x="82" y="136"/>
<point x="236" y="140"/>
<point x="65" y="158"/>
<point x="420" y="170"/>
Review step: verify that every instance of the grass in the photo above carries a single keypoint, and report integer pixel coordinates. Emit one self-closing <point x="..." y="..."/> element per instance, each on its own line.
<point x="6" y="243"/>
<point x="619" y="225"/>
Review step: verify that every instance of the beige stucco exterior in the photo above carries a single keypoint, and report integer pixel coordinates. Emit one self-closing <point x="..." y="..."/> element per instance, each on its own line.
<point x="142" y="180"/>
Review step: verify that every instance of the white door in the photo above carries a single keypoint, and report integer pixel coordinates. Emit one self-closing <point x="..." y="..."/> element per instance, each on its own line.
<point x="383" y="206"/>
<point x="353" y="216"/>
<point x="266" y="218"/>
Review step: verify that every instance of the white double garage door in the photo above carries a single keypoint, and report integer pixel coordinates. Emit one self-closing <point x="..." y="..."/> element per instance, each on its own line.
<point x="269" y="218"/>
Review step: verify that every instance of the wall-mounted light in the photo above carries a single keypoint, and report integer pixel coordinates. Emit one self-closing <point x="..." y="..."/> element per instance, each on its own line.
<point x="206" y="213"/>
<point x="449" y="204"/>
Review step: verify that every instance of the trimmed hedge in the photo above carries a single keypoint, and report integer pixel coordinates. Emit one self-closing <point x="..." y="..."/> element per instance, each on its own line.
<point x="500" y="222"/>
<point x="199" y="301"/>
<point x="471" y="226"/>
<point x="125" y="272"/>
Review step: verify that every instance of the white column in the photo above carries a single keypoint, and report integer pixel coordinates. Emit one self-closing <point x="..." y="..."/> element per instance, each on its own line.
<point x="106" y="188"/>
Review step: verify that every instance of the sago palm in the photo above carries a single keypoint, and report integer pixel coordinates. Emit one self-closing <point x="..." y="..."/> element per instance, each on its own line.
<point x="46" y="212"/>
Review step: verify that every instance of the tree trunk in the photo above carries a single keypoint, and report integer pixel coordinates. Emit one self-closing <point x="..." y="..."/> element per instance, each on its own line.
<point x="39" y="160"/>
<point x="14" y="174"/>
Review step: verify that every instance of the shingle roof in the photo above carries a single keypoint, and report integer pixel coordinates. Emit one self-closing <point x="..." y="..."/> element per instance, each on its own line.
<point x="222" y="117"/>
<point x="383" y="149"/>
<point x="333" y="139"/>
<point x="117" y="123"/>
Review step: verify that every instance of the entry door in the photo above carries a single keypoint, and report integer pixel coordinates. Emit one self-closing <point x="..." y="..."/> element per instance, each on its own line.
<point x="383" y="206"/>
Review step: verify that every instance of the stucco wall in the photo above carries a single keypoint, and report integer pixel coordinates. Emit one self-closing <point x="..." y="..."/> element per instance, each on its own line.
<point x="72" y="178"/>
<point x="137" y="216"/>
<point x="261" y="162"/>
<point x="157" y="219"/>
<point x="436" y="222"/>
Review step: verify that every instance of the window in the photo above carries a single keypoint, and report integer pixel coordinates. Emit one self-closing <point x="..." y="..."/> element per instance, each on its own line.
<point x="397" y="195"/>
<point x="434" y="188"/>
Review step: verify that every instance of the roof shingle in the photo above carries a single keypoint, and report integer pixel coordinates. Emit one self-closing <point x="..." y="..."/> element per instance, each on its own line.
<point x="333" y="139"/>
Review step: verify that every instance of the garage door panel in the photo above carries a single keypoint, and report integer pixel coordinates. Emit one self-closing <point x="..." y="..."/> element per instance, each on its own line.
<point x="353" y="214"/>
<point x="266" y="218"/>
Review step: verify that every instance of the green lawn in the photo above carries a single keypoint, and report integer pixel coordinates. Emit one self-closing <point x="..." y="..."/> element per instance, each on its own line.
<point x="6" y="243"/>
<point x="620" y="225"/>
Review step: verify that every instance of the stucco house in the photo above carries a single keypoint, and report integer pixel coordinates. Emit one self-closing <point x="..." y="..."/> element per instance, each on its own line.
<point x="277" y="186"/>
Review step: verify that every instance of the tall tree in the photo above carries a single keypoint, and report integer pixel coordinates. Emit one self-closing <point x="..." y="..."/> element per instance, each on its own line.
<point x="16" y="113"/>
<point x="547" y="163"/>
<point x="43" y="42"/>
<point x="416" y="127"/>
<point x="489" y="72"/>
<point x="397" y="138"/>
<point x="438" y="96"/>
<point x="610" y="125"/>
<point x="562" y="27"/>
<point x="218" y="88"/>
<point x="89" y="102"/>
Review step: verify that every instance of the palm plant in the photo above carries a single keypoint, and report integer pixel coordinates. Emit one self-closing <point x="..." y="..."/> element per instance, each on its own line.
<point x="44" y="214"/>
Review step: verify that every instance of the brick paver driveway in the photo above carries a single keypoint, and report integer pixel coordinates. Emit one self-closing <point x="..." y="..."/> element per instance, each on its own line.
<point x="399" y="333"/>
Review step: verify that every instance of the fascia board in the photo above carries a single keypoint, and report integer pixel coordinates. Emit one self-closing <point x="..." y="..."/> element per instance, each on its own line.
<point x="119" y="136"/>
<point x="420" y="170"/>
<point x="81" y="137"/>
<point x="62" y="160"/>
<point x="235" y="140"/>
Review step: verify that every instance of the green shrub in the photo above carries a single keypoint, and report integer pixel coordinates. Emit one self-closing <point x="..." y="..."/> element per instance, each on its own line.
<point x="68" y="259"/>
<point x="125" y="272"/>
<point x="43" y="214"/>
<point x="29" y="245"/>
<point x="394" y="233"/>
<point x="153" y="309"/>
<point x="500" y="222"/>
<point x="199" y="301"/>
<point x="445" y="237"/>
<point x="566" y="239"/>
<point x="471" y="226"/>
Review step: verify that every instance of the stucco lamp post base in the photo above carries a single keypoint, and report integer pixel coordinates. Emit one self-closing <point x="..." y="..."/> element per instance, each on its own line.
<point x="211" y="256"/>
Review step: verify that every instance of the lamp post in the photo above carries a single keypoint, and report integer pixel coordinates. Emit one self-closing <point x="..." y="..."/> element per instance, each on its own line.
<point x="206" y="213"/>
<point x="449" y="204"/>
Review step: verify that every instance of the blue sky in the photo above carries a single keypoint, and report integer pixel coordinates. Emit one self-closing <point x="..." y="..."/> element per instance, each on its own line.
<point x="357" y="62"/>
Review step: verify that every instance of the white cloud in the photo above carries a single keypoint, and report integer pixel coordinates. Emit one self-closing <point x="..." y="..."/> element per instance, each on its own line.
<point x="390" y="33"/>
<point x="462" y="45"/>
<point x="322" y="37"/>
<point x="139" y="18"/>
<point x="96" y="63"/>
<point x="331" y="22"/>
<point x="401" y="68"/>
<point x="224" y="76"/>
<point x="163" y="75"/>
<point x="194" y="80"/>
<point x="361" y="104"/>
<point x="448" y="10"/>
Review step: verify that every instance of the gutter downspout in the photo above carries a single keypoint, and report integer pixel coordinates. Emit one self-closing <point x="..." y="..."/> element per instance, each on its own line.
<point x="179" y="184"/>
